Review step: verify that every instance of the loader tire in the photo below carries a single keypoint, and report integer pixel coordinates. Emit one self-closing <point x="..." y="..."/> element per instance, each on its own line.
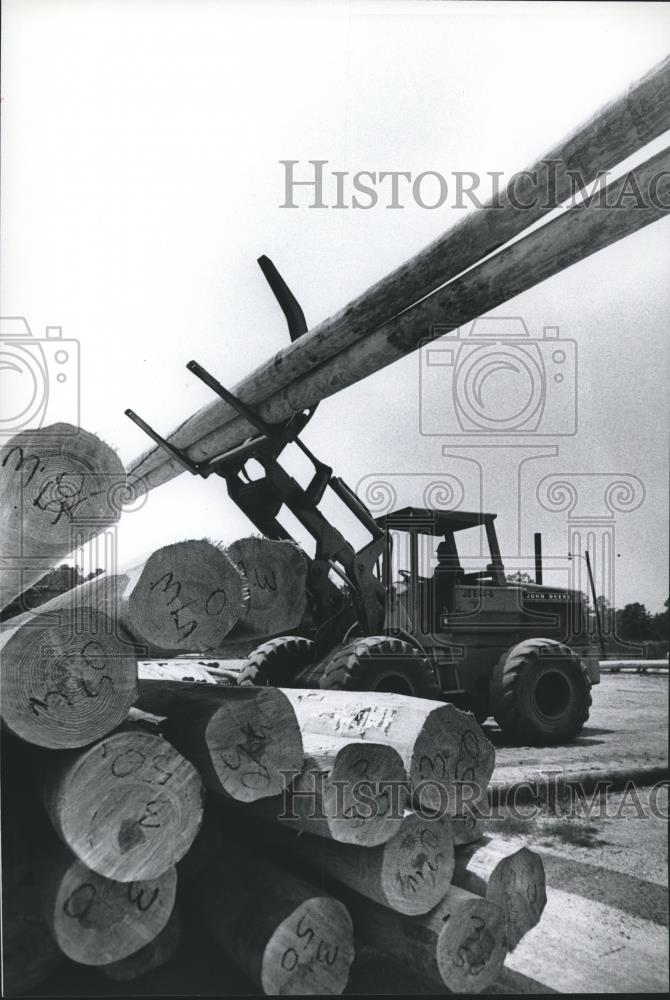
<point x="379" y="663"/>
<point x="277" y="662"/>
<point x="540" y="693"/>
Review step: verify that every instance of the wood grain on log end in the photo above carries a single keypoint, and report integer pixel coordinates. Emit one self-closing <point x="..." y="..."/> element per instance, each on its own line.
<point x="244" y="741"/>
<point x="188" y="596"/>
<point x="276" y="574"/>
<point x="471" y="947"/>
<point x="347" y="790"/>
<point x="59" y="487"/>
<point x="67" y="677"/>
<point x="150" y="957"/>
<point x="509" y="876"/>
<point x="417" y="865"/>
<point x="128" y="807"/>
<point x="95" y="920"/>
<point x="310" y="951"/>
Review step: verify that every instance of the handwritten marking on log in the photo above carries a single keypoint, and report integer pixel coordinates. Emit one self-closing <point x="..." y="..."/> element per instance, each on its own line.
<point x="66" y="678"/>
<point x="276" y="574"/>
<point x="59" y="487"/>
<point x="285" y="934"/>
<point x="460" y="943"/>
<point x="449" y="761"/>
<point x="607" y="138"/>
<point x="95" y="920"/>
<point x="409" y="873"/>
<point x="245" y="742"/>
<point x="128" y="807"/>
<point x="187" y="596"/>
<point x="347" y="790"/>
<point x="509" y="876"/>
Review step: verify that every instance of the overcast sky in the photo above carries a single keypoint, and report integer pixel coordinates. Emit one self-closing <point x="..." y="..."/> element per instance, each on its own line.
<point x="142" y="179"/>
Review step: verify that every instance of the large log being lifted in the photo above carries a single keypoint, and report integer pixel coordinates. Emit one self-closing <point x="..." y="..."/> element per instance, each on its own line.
<point x="287" y="936"/>
<point x="184" y="597"/>
<point x="276" y="575"/>
<point x="129" y="807"/>
<point x="59" y="487"/>
<point x="609" y="137"/>
<point x="67" y="677"/>
<point x="510" y="876"/>
<point x="448" y="759"/>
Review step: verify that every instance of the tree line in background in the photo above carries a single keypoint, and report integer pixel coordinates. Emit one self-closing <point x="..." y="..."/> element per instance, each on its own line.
<point x="57" y="581"/>
<point x="632" y="623"/>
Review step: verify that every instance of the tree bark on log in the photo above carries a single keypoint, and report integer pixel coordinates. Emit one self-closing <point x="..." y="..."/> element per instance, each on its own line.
<point x="347" y="790"/>
<point x="448" y="759"/>
<point x="609" y="137"/>
<point x="94" y="920"/>
<point x="459" y="944"/>
<point x="287" y="936"/>
<point x="276" y="575"/>
<point x="152" y="956"/>
<point x="410" y="873"/>
<point x="509" y="876"/>
<point x="59" y="487"/>
<point x="67" y="677"/>
<point x="245" y="742"/>
<point x="128" y="807"/>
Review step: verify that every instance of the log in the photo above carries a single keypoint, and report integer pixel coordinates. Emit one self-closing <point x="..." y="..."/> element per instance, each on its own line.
<point x="184" y="597"/>
<point x="276" y="575"/>
<point x="67" y="678"/>
<point x="95" y="920"/>
<point x="128" y="807"/>
<point x="572" y="236"/>
<point x="287" y="936"/>
<point x="606" y="139"/>
<point x="459" y="944"/>
<point x="245" y="742"/>
<point x="509" y="876"/>
<point x="448" y="759"/>
<point x="410" y="873"/>
<point x="351" y="791"/>
<point x="29" y="953"/>
<point x="206" y="847"/>
<point x="190" y="670"/>
<point x="152" y="956"/>
<point x="59" y="487"/>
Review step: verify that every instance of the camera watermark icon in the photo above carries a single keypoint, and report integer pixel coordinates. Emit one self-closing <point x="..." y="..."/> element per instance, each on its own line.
<point x="40" y="377"/>
<point x="495" y="379"/>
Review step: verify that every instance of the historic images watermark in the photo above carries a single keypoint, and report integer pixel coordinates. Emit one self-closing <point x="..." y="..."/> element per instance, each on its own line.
<point x="367" y="799"/>
<point x="313" y="184"/>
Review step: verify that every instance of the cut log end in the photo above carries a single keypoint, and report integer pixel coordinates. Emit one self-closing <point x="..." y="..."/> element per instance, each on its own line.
<point x="471" y="947"/>
<point x="417" y="865"/>
<point x="255" y="745"/>
<point x="59" y="487"/>
<point x="96" y="921"/>
<point x="310" y="952"/>
<point x="452" y="762"/>
<point x="276" y="575"/>
<point x="360" y="793"/>
<point x="152" y="956"/>
<point x="518" y="886"/>
<point x="188" y="597"/>
<point x="129" y="807"/>
<point x="67" y="678"/>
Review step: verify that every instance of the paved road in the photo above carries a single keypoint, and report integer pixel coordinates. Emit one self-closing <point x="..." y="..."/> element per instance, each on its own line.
<point x="626" y="736"/>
